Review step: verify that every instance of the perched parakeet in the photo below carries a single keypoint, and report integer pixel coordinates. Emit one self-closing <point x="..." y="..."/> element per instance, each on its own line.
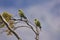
<point x="21" y="14"/>
<point x="37" y="23"/>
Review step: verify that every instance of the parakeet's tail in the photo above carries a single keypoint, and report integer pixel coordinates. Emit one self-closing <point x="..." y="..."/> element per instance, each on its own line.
<point x="40" y="28"/>
<point x="25" y="17"/>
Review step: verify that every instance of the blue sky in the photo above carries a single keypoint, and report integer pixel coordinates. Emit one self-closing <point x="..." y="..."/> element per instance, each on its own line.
<point x="20" y="3"/>
<point x="47" y="11"/>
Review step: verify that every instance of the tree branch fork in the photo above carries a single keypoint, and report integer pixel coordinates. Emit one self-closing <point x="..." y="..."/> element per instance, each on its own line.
<point x="29" y="26"/>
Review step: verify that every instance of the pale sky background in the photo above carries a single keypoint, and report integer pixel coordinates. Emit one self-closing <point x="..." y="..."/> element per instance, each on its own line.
<point x="47" y="11"/>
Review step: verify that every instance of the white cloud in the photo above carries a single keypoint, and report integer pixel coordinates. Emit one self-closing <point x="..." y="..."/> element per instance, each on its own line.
<point x="50" y="24"/>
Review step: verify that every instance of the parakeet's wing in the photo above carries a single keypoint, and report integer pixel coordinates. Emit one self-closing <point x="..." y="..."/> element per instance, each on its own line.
<point x="39" y="25"/>
<point x="21" y="14"/>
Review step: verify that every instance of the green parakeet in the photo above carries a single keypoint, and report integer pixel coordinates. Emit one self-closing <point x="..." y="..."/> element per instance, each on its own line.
<point x="37" y="23"/>
<point x="21" y="14"/>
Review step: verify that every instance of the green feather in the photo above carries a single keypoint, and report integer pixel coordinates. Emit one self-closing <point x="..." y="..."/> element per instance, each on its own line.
<point x="21" y="14"/>
<point x="37" y="23"/>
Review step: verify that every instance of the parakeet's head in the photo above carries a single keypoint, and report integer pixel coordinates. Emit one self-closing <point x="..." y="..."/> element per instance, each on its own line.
<point x="20" y="10"/>
<point x="35" y="19"/>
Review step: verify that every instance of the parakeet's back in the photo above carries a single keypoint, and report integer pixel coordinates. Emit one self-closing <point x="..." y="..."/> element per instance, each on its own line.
<point x="21" y="13"/>
<point x="37" y="22"/>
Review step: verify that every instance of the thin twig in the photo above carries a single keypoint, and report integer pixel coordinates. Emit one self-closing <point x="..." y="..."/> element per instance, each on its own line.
<point x="36" y="32"/>
<point x="20" y="27"/>
<point x="16" y="19"/>
<point x="7" y="25"/>
<point x="26" y="23"/>
<point x="37" y="35"/>
<point x="31" y="27"/>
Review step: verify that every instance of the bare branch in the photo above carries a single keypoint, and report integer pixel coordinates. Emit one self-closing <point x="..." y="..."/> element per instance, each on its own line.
<point x="16" y="19"/>
<point x="37" y="35"/>
<point x="26" y="23"/>
<point x="7" y="25"/>
<point x="31" y="27"/>
<point x="20" y="27"/>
